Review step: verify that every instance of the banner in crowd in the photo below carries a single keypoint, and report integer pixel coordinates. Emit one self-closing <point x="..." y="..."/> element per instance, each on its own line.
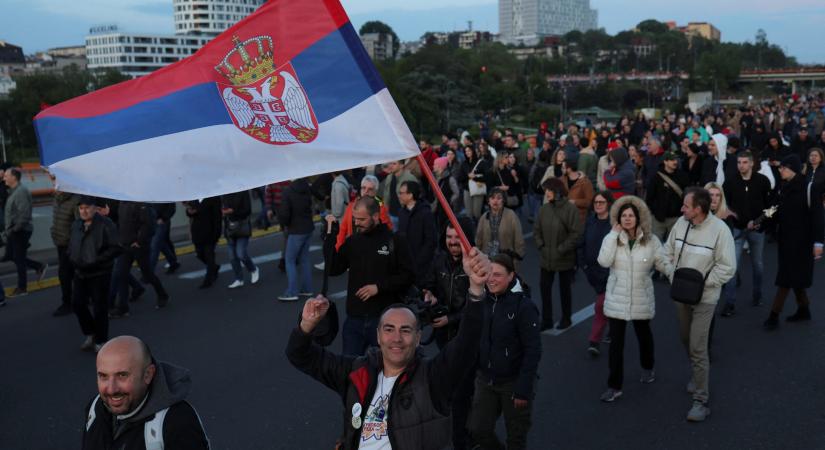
<point x="285" y="93"/>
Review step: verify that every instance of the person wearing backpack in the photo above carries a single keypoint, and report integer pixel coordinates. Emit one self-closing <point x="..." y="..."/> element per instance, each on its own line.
<point x="141" y="403"/>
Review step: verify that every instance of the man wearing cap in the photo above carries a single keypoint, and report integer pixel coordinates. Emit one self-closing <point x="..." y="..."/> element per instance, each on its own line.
<point x="93" y="246"/>
<point x="664" y="195"/>
<point x="800" y="237"/>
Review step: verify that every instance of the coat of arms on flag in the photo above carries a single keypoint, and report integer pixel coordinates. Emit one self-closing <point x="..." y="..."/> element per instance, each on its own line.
<point x="265" y="102"/>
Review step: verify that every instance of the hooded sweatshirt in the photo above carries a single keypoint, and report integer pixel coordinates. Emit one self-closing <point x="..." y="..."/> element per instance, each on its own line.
<point x="182" y="428"/>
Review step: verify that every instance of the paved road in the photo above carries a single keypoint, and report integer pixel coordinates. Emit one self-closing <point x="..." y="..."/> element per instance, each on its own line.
<point x="766" y="388"/>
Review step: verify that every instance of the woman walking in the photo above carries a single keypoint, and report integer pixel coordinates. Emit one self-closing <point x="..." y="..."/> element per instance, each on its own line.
<point x="595" y="229"/>
<point x="630" y="251"/>
<point x="236" y="209"/>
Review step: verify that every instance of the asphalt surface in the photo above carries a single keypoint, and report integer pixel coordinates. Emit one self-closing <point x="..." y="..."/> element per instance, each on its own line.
<point x="767" y="389"/>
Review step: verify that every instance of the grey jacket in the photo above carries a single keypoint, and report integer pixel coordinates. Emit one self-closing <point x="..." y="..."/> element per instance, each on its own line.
<point x="18" y="212"/>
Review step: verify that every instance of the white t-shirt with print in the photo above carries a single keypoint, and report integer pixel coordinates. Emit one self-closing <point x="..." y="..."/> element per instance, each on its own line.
<point x="374" y="433"/>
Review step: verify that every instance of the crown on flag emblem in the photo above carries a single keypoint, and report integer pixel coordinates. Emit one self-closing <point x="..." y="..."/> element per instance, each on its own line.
<point x="265" y="102"/>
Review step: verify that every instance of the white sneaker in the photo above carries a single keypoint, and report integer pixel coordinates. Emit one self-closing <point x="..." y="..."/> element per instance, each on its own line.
<point x="98" y="347"/>
<point x="256" y="275"/>
<point x="236" y="284"/>
<point x="320" y="266"/>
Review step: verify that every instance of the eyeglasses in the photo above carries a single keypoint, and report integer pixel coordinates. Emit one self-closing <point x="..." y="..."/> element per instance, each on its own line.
<point x="600" y="202"/>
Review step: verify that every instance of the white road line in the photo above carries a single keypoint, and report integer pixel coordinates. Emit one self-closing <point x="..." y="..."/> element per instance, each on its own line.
<point x="528" y="235"/>
<point x="577" y="318"/>
<point x="227" y="267"/>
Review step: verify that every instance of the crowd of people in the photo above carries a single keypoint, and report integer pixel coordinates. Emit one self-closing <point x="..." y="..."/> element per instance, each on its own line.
<point x="677" y="199"/>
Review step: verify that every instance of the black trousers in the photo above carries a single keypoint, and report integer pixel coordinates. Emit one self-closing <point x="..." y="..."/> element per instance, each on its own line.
<point x="206" y="254"/>
<point x="124" y="266"/>
<point x="617" y="333"/>
<point x="546" y="287"/>
<point x="96" y="291"/>
<point x="18" y="246"/>
<point x="65" y="273"/>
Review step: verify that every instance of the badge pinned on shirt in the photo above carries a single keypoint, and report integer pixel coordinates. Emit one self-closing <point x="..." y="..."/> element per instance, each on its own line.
<point x="356" y="409"/>
<point x="356" y="422"/>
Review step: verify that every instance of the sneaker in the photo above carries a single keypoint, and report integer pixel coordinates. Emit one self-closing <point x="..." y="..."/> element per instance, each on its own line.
<point x="172" y="268"/>
<point x="610" y="395"/>
<point x="546" y="325"/>
<point x="288" y="298"/>
<point x="206" y="283"/>
<point x="564" y="324"/>
<point x="42" y="272"/>
<point x="63" y="310"/>
<point x="118" y="314"/>
<point x="305" y="294"/>
<point x="136" y="294"/>
<point x="756" y="302"/>
<point x="728" y="311"/>
<point x="256" y="275"/>
<point x="3" y="302"/>
<point x="691" y="387"/>
<point x="648" y="376"/>
<point x="771" y="323"/>
<point x="236" y="284"/>
<point x="88" y="344"/>
<point x="98" y="347"/>
<point x="593" y="349"/>
<point x="320" y="266"/>
<point x="698" y="413"/>
<point x="606" y="340"/>
<point x="167" y="265"/>
<point x="18" y="293"/>
<point x="802" y="313"/>
<point x="162" y="302"/>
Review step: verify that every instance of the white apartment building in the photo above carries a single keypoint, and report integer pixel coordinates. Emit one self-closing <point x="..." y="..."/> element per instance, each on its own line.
<point x="527" y="21"/>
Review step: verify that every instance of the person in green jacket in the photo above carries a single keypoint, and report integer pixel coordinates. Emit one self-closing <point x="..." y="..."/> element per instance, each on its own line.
<point x="556" y="231"/>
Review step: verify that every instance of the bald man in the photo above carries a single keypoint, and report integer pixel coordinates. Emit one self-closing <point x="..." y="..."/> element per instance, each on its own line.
<point x="141" y="402"/>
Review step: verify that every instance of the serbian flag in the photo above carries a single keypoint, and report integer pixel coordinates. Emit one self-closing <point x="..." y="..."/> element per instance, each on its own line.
<point x="285" y="93"/>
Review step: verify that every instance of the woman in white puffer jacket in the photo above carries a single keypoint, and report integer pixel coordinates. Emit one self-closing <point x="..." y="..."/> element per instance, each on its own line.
<point x="630" y="251"/>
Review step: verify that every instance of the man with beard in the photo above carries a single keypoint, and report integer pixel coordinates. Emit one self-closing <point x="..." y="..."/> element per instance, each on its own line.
<point x="141" y="402"/>
<point x="380" y="272"/>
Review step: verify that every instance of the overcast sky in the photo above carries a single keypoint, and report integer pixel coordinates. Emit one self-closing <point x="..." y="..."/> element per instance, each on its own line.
<point x="798" y="26"/>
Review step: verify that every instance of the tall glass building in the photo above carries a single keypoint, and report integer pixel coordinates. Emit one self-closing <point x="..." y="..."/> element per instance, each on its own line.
<point x="528" y="21"/>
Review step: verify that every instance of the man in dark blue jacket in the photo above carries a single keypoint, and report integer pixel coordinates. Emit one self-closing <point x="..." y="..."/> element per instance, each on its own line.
<point x="508" y="360"/>
<point x="295" y="216"/>
<point x="417" y="225"/>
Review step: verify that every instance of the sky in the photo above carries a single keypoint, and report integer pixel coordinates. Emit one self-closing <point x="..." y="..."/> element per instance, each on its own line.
<point x="794" y="25"/>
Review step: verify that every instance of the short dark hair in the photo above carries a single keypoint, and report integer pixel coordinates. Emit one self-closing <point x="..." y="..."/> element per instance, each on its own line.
<point x="556" y="185"/>
<point x="369" y="203"/>
<point x="606" y="195"/>
<point x="700" y="197"/>
<point x="572" y="163"/>
<point x="399" y="306"/>
<point x="745" y="154"/>
<point x="496" y="191"/>
<point x="505" y="261"/>
<point x="413" y="188"/>
<point x="15" y="172"/>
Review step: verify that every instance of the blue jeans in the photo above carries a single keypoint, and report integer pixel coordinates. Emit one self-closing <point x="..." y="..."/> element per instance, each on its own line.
<point x="533" y="204"/>
<point x="238" y="254"/>
<point x="162" y="244"/>
<point x="359" y="333"/>
<point x="297" y="252"/>
<point x="756" y="243"/>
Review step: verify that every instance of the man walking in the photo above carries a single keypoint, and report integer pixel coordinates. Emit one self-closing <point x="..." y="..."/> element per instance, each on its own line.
<point x="700" y="241"/>
<point x="417" y="225"/>
<point x="18" y="219"/>
<point x="64" y="214"/>
<point x="664" y="195"/>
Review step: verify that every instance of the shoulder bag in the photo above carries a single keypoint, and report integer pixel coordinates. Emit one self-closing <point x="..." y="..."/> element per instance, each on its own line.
<point x="688" y="284"/>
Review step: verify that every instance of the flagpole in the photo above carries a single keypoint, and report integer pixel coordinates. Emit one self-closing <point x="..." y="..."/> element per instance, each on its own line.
<point x="445" y="205"/>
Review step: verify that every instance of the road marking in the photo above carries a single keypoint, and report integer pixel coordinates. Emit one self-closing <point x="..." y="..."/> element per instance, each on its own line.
<point x="227" y="267"/>
<point x="528" y="235"/>
<point x="577" y="318"/>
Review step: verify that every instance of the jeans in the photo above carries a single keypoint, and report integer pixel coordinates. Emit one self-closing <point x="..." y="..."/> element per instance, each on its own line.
<point x="533" y="204"/>
<point x="756" y="242"/>
<point x="694" y="329"/>
<point x="114" y="285"/>
<point x="359" y="333"/>
<point x="490" y="401"/>
<point x="238" y="254"/>
<point x="94" y="290"/>
<point x="297" y="252"/>
<point x="18" y="245"/>
<point x="617" y="335"/>
<point x="599" y="320"/>
<point x="65" y="273"/>
<point x="123" y="268"/>
<point x="162" y="243"/>
<point x="546" y="288"/>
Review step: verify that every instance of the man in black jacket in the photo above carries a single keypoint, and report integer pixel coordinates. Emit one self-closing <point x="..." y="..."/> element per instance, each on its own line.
<point x="141" y="402"/>
<point x="380" y="273"/>
<point x="93" y="246"/>
<point x="135" y="226"/>
<point x="747" y="194"/>
<point x="393" y="394"/>
<point x="205" y="226"/>
<point x="295" y="216"/>
<point x="664" y="195"/>
<point x="508" y="360"/>
<point x="417" y="225"/>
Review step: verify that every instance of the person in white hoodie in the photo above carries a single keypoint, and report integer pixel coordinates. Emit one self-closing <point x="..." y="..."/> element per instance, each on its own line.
<point x="713" y="166"/>
<point x="630" y="251"/>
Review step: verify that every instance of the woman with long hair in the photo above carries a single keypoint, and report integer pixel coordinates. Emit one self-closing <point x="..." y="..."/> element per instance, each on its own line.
<point x="472" y="172"/>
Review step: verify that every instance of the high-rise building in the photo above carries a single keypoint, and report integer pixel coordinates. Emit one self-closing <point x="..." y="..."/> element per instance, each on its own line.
<point x="528" y="21"/>
<point x="137" y="54"/>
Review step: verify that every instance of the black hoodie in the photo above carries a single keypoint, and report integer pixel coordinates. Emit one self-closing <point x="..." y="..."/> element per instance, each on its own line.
<point x="182" y="428"/>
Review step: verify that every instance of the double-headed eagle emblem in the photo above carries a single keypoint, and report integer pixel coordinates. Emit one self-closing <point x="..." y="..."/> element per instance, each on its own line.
<point x="267" y="103"/>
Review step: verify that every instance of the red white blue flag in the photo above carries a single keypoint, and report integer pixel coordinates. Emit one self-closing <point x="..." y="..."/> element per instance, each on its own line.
<point x="285" y="93"/>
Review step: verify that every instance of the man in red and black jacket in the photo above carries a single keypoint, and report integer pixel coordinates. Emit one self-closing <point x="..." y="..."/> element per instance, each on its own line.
<point x="393" y="393"/>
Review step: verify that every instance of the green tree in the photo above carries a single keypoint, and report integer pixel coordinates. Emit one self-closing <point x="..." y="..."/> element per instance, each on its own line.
<point x="719" y="68"/>
<point x="652" y="26"/>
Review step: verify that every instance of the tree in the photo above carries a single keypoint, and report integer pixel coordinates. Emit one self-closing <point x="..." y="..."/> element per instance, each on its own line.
<point x="652" y="26"/>
<point x="376" y="26"/>
<point x="720" y="67"/>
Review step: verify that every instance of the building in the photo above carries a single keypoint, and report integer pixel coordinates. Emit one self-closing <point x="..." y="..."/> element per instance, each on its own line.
<point x="379" y="45"/>
<point x="74" y="51"/>
<point x="136" y="54"/>
<point x="471" y="39"/>
<point x="6" y="85"/>
<point x="12" y="59"/>
<point x="703" y="29"/>
<point x="642" y="47"/>
<point x="528" y="21"/>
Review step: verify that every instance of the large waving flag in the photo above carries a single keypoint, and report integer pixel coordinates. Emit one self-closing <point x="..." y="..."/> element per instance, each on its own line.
<point x="285" y="93"/>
